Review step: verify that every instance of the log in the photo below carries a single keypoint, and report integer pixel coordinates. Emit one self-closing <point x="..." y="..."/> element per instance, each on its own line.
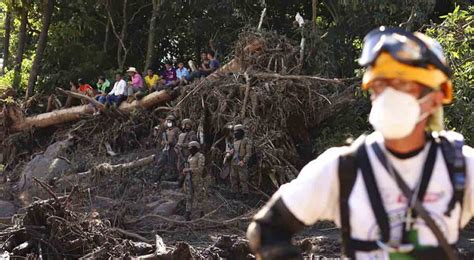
<point x="81" y="96"/>
<point x="76" y="113"/>
<point x="124" y="166"/>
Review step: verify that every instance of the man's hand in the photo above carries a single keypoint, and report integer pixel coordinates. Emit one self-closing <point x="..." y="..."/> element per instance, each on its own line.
<point x="241" y="163"/>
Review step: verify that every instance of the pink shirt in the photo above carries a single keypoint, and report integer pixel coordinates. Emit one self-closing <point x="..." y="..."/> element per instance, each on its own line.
<point x="137" y="81"/>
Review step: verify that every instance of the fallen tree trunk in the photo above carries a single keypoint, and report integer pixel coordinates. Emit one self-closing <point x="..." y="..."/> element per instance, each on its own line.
<point x="105" y="168"/>
<point x="76" y="113"/>
<point x="96" y="103"/>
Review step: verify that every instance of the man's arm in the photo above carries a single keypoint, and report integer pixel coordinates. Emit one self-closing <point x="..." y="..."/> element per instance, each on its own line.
<point x="311" y="197"/>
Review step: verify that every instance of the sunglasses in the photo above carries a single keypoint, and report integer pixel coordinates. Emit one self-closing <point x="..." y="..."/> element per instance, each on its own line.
<point x="403" y="46"/>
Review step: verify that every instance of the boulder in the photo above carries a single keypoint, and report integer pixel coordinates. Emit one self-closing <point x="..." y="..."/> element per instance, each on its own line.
<point x="7" y="209"/>
<point x="166" y="209"/>
<point x="45" y="166"/>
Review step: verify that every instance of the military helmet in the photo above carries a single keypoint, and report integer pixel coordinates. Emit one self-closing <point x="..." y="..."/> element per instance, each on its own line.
<point x="171" y="117"/>
<point x="187" y="121"/>
<point x="194" y="144"/>
<point x="239" y="127"/>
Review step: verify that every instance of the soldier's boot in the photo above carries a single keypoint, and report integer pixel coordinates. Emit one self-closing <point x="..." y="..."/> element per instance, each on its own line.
<point x="187" y="215"/>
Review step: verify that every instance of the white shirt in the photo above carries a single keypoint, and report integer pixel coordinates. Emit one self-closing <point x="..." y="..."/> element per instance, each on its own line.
<point x="314" y="195"/>
<point x="119" y="88"/>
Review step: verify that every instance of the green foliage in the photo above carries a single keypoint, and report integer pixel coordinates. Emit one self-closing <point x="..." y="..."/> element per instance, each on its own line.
<point x="456" y="35"/>
<point x="6" y="80"/>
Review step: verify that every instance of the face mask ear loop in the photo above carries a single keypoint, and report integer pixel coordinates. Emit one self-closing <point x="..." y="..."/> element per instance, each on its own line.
<point x="426" y="114"/>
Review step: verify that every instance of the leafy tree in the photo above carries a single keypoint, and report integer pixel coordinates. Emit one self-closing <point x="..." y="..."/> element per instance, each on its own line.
<point x="456" y="35"/>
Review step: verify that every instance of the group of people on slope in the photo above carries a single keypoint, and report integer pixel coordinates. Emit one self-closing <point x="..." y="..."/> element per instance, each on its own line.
<point x="134" y="86"/>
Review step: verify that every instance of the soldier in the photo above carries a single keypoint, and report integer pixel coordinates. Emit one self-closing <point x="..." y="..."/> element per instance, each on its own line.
<point x="194" y="185"/>
<point x="240" y="153"/>
<point x="188" y="135"/>
<point x="229" y="146"/>
<point x="169" y="141"/>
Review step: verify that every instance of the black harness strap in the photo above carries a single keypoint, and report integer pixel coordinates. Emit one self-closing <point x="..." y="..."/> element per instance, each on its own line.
<point x="374" y="194"/>
<point x="427" y="171"/>
<point x="456" y="164"/>
<point x="347" y="174"/>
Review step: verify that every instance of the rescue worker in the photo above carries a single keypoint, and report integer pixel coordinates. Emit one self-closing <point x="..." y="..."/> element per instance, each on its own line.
<point x="194" y="184"/>
<point x="188" y="135"/>
<point x="240" y="155"/>
<point x="169" y="141"/>
<point x="402" y="192"/>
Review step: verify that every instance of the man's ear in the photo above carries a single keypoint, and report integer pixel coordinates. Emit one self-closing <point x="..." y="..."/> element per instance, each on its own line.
<point x="438" y="98"/>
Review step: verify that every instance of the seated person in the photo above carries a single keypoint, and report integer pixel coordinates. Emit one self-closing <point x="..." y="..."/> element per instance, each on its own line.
<point x="70" y="100"/>
<point x="135" y="88"/>
<point x="169" y="77"/>
<point x="117" y="95"/>
<point x="214" y="64"/>
<point x="181" y="73"/>
<point x="204" y="61"/>
<point x="103" y="86"/>
<point x="152" y="80"/>
<point x="85" y="88"/>
<point x="208" y="66"/>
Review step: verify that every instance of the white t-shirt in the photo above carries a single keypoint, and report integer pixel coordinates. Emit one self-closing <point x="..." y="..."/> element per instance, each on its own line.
<point x="314" y="195"/>
<point x="119" y="88"/>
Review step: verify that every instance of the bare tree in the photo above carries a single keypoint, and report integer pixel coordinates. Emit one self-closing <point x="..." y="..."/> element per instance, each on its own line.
<point x="122" y="50"/>
<point x="21" y="43"/>
<point x="107" y="33"/>
<point x="152" y="33"/>
<point x="315" y="14"/>
<point x="43" y="37"/>
<point x="6" y="42"/>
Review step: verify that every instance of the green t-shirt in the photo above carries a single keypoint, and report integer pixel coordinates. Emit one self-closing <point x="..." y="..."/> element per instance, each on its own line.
<point x="104" y="87"/>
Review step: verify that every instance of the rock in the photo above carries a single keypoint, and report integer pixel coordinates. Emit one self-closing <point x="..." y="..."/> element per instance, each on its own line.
<point x="166" y="209"/>
<point x="45" y="166"/>
<point x="7" y="209"/>
<point x="58" y="168"/>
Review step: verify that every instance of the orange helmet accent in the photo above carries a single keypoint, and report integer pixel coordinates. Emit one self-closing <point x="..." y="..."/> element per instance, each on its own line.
<point x="386" y="67"/>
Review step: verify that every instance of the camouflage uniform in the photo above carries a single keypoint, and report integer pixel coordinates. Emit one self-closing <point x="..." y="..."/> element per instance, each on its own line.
<point x="169" y="156"/>
<point x="194" y="185"/>
<point x="239" y="174"/>
<point x="182" y="147"/>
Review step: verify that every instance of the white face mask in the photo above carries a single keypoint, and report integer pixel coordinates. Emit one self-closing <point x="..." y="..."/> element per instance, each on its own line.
<point x="169" y="124"/>
<point x="395" y="114"/>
